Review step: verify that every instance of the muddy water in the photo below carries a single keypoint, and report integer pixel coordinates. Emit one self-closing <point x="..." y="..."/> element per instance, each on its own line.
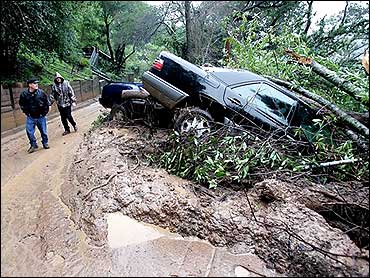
<point x="123" y="230"/>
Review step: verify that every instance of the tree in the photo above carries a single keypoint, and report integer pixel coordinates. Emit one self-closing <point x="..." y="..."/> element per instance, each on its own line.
<point x="203" y="23"/>
<point x="343" y="37"/>
<point x="126" y="25"/>
<point x="89" y="24"/>
<point x="40" y="26"/>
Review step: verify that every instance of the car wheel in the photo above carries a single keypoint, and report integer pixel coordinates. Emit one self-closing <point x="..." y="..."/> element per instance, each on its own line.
<point x="123" y="112"/>
<point x="193" y="121"/>
<point x="119" y="112"/>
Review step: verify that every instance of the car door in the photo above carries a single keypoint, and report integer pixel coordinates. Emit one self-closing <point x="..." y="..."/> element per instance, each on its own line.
<point x="237" y="99"/>
<point x="260" y="104"/>
<point x="275" y="104"/>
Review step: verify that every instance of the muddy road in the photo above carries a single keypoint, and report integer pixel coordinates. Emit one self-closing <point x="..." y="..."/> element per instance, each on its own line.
<point x="40" y="238"/>
<point x="30" y="189"/>
<point x="92" y="205"/>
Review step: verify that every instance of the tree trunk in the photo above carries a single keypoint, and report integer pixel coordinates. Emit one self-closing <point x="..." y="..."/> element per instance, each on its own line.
<point x="188" y="32"/>
<point x="361" y="117"/>
<point x="356" y="125"/>
<point x="309" y="17"/>
<point x="329" y="75"/>
<point x="107" y="35"/>
<point x="355" y="138"/>
<point x="365" y="62"/>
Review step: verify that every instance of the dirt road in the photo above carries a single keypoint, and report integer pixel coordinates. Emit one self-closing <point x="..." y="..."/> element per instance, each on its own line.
<point x="30" y="187"/>
<point x="38" y="237"/>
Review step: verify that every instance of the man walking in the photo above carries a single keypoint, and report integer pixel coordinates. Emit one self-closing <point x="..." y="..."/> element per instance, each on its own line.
<point x="34" y="102"/>
<point x="64" y="95"/>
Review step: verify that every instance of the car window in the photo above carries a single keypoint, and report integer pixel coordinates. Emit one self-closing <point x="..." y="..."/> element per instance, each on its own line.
<point x="248" y="92"/>
<point x="267" y="99"/>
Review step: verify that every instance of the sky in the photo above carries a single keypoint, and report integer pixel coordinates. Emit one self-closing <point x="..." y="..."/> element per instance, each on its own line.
<point x="321" y="8"/>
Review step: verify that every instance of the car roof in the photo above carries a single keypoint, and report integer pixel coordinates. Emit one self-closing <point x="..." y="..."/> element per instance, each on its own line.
<point x="226" y="75"/>
<point x="233" y="76"/>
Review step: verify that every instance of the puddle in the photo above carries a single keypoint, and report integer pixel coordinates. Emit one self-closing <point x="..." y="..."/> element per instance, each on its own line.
<point x="123" y="230"/>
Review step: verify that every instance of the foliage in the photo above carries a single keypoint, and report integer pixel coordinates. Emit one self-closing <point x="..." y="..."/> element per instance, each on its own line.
<point x="89" y="24"/>
<point x="127" y="25"/>
<point x="40" y="26"/>
<point x="259" y="31"/>
<point x="44" y="66"/>
<point x="142" y="60"/>
<point x="221" y="158"/>
<point x="263" y="52"/>
<point x="344" y="36"/>
<point x="100" y="120"/>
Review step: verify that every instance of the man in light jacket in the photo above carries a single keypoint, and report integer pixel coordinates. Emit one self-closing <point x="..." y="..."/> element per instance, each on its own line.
<point x="62" y="92"/>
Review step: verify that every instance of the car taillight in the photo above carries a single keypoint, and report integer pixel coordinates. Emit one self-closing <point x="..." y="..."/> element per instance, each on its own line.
<point x="158" y="64"/>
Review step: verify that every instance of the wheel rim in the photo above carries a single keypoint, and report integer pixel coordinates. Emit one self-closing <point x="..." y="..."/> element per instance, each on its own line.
<point x="197" y="125"/>
<point x="119" y="115"/>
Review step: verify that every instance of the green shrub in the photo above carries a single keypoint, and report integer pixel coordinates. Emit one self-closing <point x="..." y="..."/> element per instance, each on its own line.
<point x="223" y="159"/>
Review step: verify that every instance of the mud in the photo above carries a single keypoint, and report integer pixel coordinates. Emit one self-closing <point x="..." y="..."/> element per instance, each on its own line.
<point x="40" y="235"/>
<point x="93" y="205"/>
<point x="111" y="173"/>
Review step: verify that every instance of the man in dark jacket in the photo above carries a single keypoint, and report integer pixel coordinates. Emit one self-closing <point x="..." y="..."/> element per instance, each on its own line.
<point x="34" y="102"/>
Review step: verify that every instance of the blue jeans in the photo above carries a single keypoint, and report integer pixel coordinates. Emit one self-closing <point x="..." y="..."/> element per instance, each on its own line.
<point x="30" y="129"/>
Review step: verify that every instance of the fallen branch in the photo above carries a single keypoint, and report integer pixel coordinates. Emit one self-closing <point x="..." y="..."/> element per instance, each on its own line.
<point x="250" y="206"/>
<point x="361" y="117"/>
<point x="327" y="194"/>
<point x="346" y="204"/>
<point x="329" y="75"/>
<point x="99" y="186"/>
<point x="352" y="122"/>
<point x="78" y="161"/>
<point x="332" y="163"/>
<point x="362" y="144"/>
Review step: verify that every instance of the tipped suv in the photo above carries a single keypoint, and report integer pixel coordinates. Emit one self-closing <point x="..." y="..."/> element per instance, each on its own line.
<point x="199" y="96"/>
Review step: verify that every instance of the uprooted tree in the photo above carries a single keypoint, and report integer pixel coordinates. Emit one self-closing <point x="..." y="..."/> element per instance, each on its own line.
<point x="286" y="58"/>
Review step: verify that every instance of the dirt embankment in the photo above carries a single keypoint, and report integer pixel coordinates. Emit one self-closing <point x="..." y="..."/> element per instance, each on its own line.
<point x="284" y="224"/>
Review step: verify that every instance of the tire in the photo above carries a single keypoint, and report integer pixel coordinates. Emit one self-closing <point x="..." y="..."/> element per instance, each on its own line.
<point x="193" y="121"/>
<point x="119" y="112"/>
<point x="124" y="112"/>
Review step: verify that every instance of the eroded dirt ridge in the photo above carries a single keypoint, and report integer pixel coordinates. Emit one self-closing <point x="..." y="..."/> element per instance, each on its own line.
<point x="111" y="174"/>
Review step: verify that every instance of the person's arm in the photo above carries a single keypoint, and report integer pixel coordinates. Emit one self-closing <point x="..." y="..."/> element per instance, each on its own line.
<point x="71" y="93"/>
<point x="23" y="105"/>
<point x="53" y="96"/>
<point x="46" y="102"/>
